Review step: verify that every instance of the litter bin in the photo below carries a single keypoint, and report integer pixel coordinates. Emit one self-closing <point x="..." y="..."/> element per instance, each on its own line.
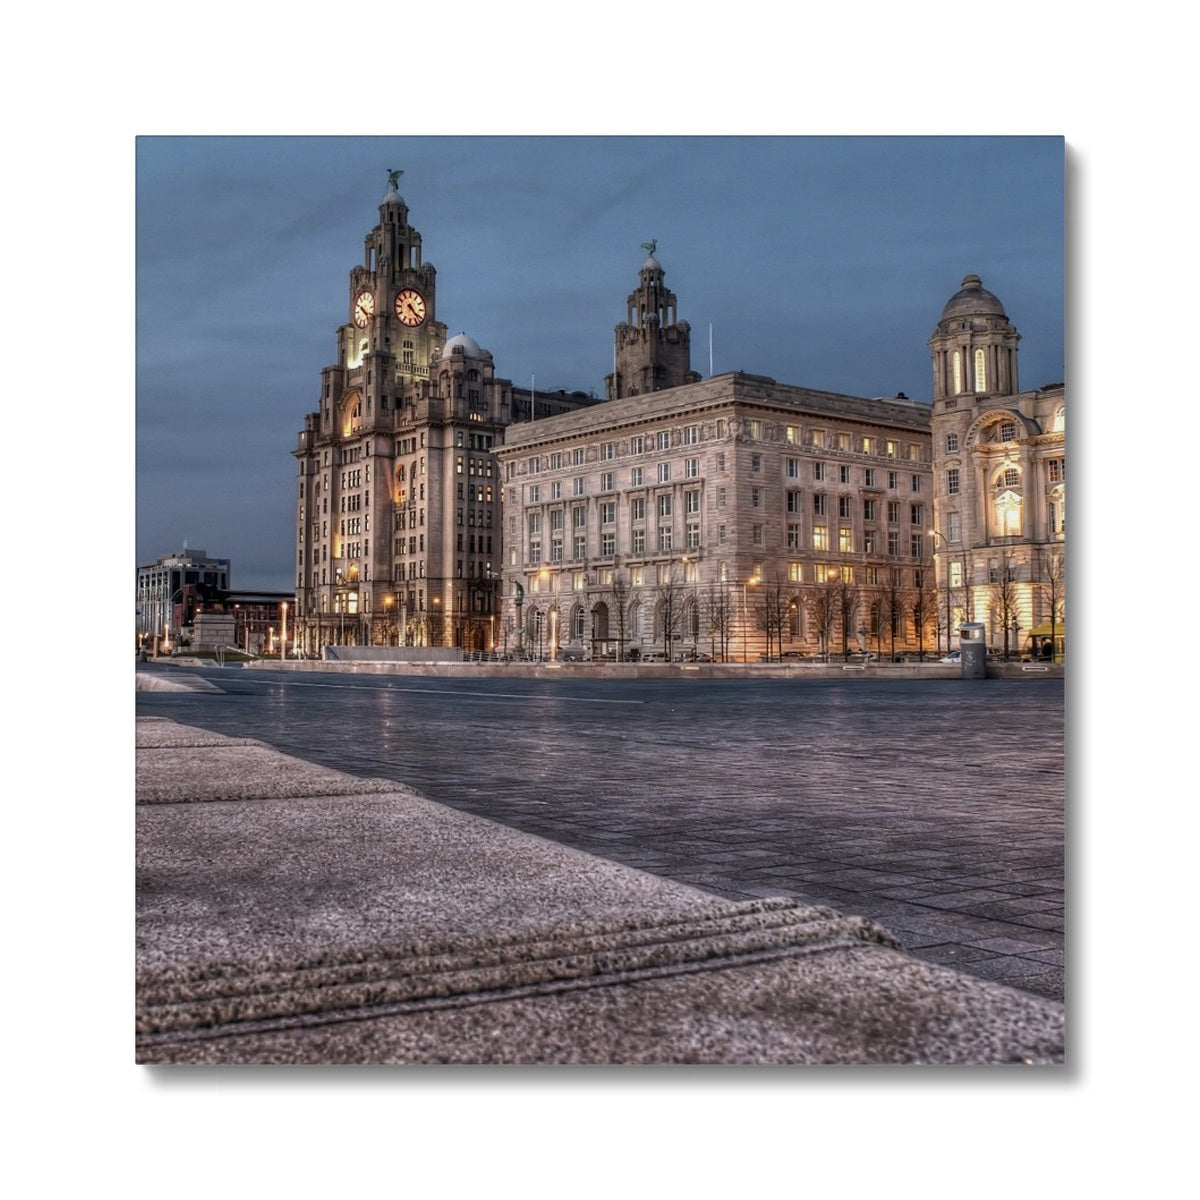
<point x="973" y="651"/>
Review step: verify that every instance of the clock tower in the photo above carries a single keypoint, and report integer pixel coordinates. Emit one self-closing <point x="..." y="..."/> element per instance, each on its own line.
<point x="406" y="423"/>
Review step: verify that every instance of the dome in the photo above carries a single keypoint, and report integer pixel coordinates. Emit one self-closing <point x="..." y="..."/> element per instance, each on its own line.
<point x="468" y="345"/>
<point x="651" y="264"/>
<point x="972" y="299"/>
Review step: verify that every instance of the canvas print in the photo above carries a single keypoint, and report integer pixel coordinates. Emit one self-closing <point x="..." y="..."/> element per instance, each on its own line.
<point x="600" y="600"/>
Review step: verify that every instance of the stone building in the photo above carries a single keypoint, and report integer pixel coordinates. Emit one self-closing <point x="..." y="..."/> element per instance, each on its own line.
<point x="733" y="517"/>
<point x="1000" y="480"/>
<point x="168" y="591"/>
<point x="397" y="503"/>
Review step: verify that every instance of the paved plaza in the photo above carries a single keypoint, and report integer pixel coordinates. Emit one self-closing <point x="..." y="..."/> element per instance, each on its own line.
<point x="935" y="807"/>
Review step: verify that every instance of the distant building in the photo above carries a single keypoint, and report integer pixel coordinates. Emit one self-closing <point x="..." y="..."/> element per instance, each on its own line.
<point x="168" y="589"/>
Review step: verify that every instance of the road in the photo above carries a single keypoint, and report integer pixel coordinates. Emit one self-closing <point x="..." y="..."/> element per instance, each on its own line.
<point x="935" y="807"/>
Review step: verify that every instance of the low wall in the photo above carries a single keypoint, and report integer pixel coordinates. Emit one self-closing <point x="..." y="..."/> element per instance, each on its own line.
<point x="798" y="671"/>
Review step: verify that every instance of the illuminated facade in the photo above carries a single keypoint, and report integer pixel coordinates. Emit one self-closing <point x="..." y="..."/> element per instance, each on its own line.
<point x="397" y="503"/>
<point x="999" y="458"/>
<point x="733" y="516"/>
<point x="167" y="591"/>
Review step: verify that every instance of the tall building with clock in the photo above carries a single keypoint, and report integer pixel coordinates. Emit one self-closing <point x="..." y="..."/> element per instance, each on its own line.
<point x="397" y="503"/>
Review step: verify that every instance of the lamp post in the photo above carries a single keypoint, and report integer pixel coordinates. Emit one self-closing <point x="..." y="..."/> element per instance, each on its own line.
<point x="753" y="581"/>
<point x="283" y="631"/>
<point x="946" y="575"/>
<point x="388" y="601"/>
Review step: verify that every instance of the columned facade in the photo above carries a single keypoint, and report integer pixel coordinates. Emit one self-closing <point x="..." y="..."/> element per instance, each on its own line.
<point x="999" y="458"/>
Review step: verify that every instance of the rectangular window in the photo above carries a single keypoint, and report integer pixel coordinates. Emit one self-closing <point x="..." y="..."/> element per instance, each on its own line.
<point x="1056" y="470"/>
<point x="664" y="439"/>
<point x="795" y="572"/>
<point x="577" y="457"/>
<point x="637" y="477"/>
<point x="578" y="488"/>
<point x="556" y="551"/>
<point x="952" y="481"/>
<point x="868" y="510"/>
<point x="793" y="537"/>
<point x="845" y="540"/>
<point x="535" y="466"/>
<point x="535" y="523"/>
<point x="580" y="545"/>
<point x="870" y="445"/>
<point x="820" y="538"/>
<point x="664" y="538"/>
<point x="893" y="480"/>
<point x="868" y="541"/>
<point x="637" y="508"/>
<point x="844" y="503"/>
<point x="791" y="467"/>
<point x="756" y="462"/>
<point x="843" y="472"/>
<point x="535" y="552"/>
<point x="891" y="449"/>
<point x="556" y="461"/>
<point x="819" y="504"/>
<point x="691" y="435"/>
<point x="916" y="483"/>
<point x="664" y="472"/>
<point x="608" y="513"/>
<point x="535" y="494"/>
<point x="952" y="443"/>
<point x="556" y="519"/>
<point x="664" y="506"/>
<point x="795" y="502"/>
<point x="756" y="497"/>
<point x="720" y="533"/>
<point x="893" y="512"/>
<point x="608" y="451"/>
<point x="578" y="517"/>
<point x="556" y="490"/>
<point x="639" y="541"/>
<point x="894" y="544"/>
<point x="792" y="434"/>
<point x="916" y="545"/>
<point x="608" y="544"/>
<point x="692" y="500"/>
<point x="756" y="535"/>
<point x="691" y="468"/>
<point x="916" y="514"/>
<point x="819" y="471"/>
<point x="607" y="482"/>
<point x="721" y="461"/>
<point x="869" y="477"/>
<point x="637" y="444"/>
<point x="954" y="527"/>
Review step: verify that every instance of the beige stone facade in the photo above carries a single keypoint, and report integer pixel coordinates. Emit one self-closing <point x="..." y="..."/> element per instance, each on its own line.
<point x="736" y="518"/>
<point x="1000" y="481"/>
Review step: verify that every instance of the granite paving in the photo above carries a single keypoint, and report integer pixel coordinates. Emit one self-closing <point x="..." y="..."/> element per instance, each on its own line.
<point x="934" y="807"/>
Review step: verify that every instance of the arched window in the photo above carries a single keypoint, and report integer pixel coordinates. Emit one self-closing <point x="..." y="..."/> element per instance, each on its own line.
<point x="578" y="622"/>
<point x="635" y="619"/>
<point x="980" y="371"/>
<point x="958" y="376"/>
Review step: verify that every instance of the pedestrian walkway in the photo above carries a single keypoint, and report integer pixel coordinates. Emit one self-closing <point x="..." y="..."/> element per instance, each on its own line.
<point x="288" y="913"/>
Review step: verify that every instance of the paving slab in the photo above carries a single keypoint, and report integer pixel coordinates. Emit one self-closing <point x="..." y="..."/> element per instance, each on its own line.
<point x="290" y="914"/>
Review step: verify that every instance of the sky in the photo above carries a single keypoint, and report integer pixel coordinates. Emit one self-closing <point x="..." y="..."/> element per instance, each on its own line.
<point x="818" y="261"/>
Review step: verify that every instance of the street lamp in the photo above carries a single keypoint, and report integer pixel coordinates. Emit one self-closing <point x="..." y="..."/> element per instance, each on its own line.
<point x="946" y="576"/>
<point x="388" y="601"/>
<point x="283" y="631"/>
<point x="753" y="581"/>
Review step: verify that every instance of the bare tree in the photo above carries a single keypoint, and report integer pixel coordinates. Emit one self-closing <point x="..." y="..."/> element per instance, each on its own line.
<point x="925" y="605"/>
<point x="771" y="610"/>
<point x="671" y="597"/>
<point x="822" y="606"/>
<point x="847" y="608"/>
<point x="719" y="613"/>
<point x="1054" y="592"/>
<point x="1004" y="594"/>
<point x="620" y="604"/>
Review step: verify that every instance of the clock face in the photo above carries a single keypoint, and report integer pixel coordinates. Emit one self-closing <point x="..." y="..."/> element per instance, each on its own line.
<point x="410" y="307"/>
<point x="364" y="307"/>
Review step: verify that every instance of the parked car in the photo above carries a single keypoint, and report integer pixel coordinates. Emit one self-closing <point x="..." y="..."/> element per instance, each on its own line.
<point x="953" y="657"/>
<point x="794" y="654"/>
